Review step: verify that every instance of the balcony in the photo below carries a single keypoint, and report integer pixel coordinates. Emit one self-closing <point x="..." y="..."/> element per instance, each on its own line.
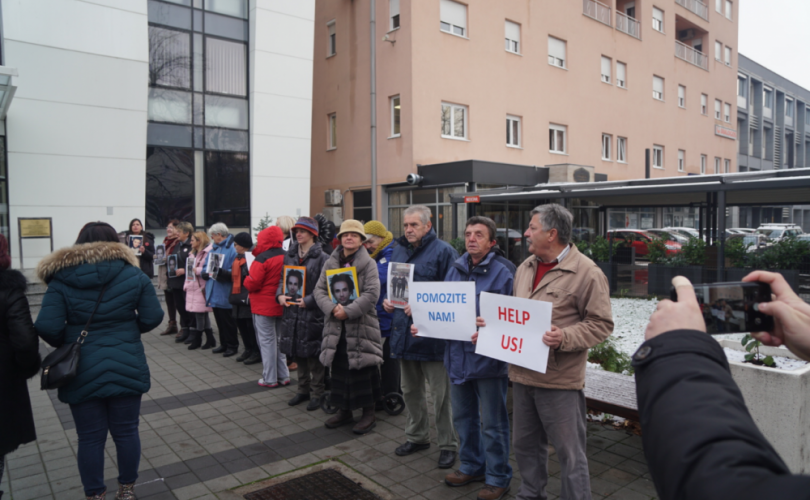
<point x="690" y="55"/>
<point x="696" y="6"/>
<point x="597" y="11"/>
<point x="627" y="24"/>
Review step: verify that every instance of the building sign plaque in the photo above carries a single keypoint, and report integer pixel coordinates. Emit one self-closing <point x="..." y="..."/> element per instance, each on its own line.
<point x="472" y="199"/>
<point x="725" y="132"/>
<point x="582" y="175"/>
<point x="35" y="228"/>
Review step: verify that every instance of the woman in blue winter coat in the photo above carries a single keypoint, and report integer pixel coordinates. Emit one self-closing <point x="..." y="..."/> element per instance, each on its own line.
<point x="113" y="373"/>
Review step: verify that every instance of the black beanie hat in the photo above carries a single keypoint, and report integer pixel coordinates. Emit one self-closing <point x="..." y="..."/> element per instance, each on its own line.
<point x="243" y="240"/>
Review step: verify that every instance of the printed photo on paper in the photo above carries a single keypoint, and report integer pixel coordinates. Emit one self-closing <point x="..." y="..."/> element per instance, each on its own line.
<point x="160" y="255"/>
<point x="215" y="261"/>
<point x="342" y="285"/>
<point x="400" y="277"/>
<point x="136" y="243"/>
<point x="171" y="263"/>
<point x="295" y="283"/>
<point x="190" y="268"/>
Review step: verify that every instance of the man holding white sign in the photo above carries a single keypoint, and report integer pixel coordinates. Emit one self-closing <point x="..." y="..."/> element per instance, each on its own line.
<point x="479" y="383"/>
<point x="550" y="406"/>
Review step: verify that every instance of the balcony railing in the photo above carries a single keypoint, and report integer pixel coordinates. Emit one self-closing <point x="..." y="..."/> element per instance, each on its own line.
<point x="695" y="6"/>
<point x="690" y="55"/>
<point x="627" y="24"/>
<point x="596" y="10"/>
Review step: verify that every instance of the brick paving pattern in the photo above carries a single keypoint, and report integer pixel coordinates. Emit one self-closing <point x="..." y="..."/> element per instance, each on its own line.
<point x="207" y="427"/>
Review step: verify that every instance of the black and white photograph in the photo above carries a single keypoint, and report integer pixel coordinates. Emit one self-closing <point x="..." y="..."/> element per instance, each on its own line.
<point x="215" y="261"/>
<point x="190" y="268"/>
<point x="294" y="282"/>
<point x="399" y="277"/>
<point x="171" y="263"/>
<point x="160" y="255"/>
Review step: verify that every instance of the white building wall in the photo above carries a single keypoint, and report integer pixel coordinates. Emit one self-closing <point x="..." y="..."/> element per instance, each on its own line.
<point x="281" y="50"/>
<point x="76" y="129"/>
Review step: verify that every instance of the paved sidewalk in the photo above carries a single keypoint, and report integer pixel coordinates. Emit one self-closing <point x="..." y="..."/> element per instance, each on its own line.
<point x="207" y="427"/>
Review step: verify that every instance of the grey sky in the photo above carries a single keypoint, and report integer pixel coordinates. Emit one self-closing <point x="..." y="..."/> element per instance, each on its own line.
<point x="774" y="34"/>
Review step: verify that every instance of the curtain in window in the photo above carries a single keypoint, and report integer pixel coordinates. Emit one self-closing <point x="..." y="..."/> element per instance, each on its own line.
<point x="225" y="67"/>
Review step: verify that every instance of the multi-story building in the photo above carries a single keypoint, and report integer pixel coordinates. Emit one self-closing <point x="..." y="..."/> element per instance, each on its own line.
<point x="155" y="109"/>
<point x="522" y="83"/>
<point x="773" y="119"/>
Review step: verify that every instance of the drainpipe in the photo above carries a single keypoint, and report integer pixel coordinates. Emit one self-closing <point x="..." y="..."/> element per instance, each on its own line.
<point x="373" y="67"/>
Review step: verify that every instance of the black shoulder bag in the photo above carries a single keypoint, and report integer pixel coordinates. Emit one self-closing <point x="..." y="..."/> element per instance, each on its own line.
<point x="60" y="366"/>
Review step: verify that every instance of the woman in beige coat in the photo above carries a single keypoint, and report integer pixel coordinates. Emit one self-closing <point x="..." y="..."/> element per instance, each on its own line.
<point x="351" y="345"/>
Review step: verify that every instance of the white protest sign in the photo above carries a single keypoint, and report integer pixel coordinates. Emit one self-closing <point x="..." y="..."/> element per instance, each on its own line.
<point x="443" y="310"/>
<point x="514" y="331"/>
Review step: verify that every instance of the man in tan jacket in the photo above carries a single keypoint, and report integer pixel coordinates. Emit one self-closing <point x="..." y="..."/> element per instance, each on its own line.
<point x="550" y="407"/>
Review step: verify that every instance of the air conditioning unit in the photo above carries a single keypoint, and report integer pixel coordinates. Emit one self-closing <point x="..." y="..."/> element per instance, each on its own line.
<point x="333" y="197"/>
<point x="335" y="214"/>
<point x="686" y="34"/>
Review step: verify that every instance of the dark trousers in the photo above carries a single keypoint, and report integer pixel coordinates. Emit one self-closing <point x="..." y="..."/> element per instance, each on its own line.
<point x="169" y="296"/>
<point x="93" y="419"/>
<point x="180" y="305"/>
<point x="226" y="324"/>
<point x="389" y="370"/>
<point x="248" y="333"/>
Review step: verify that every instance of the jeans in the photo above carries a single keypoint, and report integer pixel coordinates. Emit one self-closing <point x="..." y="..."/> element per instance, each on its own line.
<point x="93" y="419"/>
<point x="483" y="450"/>
<point x="202" y="321"/>
<point x="274" y="363"/>
<point x="542" y="416"/>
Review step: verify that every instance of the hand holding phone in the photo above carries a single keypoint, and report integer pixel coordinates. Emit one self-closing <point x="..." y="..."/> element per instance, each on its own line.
<point x="733" y="307"/>
<point x="683" y="314"/>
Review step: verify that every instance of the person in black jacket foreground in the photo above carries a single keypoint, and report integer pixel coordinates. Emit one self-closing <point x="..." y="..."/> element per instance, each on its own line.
<point x="699" y="439"/>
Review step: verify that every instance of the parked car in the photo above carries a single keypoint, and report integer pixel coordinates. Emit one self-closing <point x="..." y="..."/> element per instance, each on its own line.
<point x="778" y="232"/>
<point x="689" y="232"/>
<point x="669" y="235"/>
<point x="754" y="241"/>
<point x="742" y="230"/>
<point x="638" y="239"/>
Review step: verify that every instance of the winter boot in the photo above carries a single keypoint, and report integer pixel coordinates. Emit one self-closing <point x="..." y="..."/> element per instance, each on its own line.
<point x="172" y="328"/>
<point x="367" y="422"/>
<point x="195" y="340"/>
<point x="209" y="339"/>
<point x="342" y="417"/>
<point x="126" y="492"/>
<point x="182" y="336"/>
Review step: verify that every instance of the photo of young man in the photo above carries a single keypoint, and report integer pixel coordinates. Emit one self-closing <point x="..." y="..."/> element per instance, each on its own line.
<point x="343" y="289"/>
<point x="294" y="284"/>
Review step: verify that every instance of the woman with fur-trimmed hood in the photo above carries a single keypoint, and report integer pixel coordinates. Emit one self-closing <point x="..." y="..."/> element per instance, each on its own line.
<point x="113" y="373"/>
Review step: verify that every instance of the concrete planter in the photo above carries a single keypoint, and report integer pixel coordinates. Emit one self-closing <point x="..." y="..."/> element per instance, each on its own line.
<point x="779" y="402"/>
<point x="659" y="277"/>
<point x="790" y="275"/>
<point x="611" y="273"/>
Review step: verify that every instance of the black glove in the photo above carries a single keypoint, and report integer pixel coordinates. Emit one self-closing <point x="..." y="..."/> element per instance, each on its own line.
<point x="224" y="276"/>
<point x="205" y="276"/>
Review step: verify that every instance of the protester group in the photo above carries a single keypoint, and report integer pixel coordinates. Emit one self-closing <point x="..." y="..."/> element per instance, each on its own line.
<point x="335" y="326"/>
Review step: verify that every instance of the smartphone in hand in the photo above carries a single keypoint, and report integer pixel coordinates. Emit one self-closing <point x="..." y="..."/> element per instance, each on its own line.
<point x="732" y="307"/>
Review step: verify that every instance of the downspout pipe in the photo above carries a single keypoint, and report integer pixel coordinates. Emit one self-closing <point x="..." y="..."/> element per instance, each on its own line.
<point x="373" y="67"/>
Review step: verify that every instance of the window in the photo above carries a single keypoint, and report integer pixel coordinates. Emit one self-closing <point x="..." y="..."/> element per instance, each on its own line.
<point x="512" y="131"/>
<point x="742" y="85"/>
<point x="225" y="67"/>
<point x="227" y="185"/>
<point x="395" y="116"/>
<point x="702" y="164"/>
<point x="658" y="88"/>
<point x="704" y="104"/>
<point x="789" y="107"/>
<point x="727" y="166"/>
<point x="716" y="165"/>
<point x="606" y="64"/>
<point x="727" y="55"/>
<point x="512" y="34"/>
<point x="681" y="160"/>
<point x="621" y="149"/>
<point x="729" y="8"/>
<point x="556" y="138"/>
<point x="658" y="19"/>
<point x="331" y="43"/>
<point x="767" y="97"/>
<point x="169" y="185"/>
<point x="332" y="121"/>
<point x="718" y="51"/>
<point x="453" y="18"/>
<point x="658" y="156"/>
<point x="727" y="112"/>
<point x="718" y="104"/>
<point x="607" y="140"/>
<point x="556" y="52"/>
<point x="718" y="6"/>
<point x="681" y="96"/>
<point x="807" y="116"/>
<point x="621" y="75"/>
<point x="169" y="57"/>
<point x="454" y="121"/>
<point x="393" y="14"/>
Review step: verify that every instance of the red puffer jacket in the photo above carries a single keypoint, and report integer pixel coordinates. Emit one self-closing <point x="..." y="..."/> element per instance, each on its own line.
<point x="264" y="274"/>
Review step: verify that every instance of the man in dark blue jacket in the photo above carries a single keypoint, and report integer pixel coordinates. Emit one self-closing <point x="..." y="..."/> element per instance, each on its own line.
<point x="421" y="358"/>
<point x="479" y="383"/>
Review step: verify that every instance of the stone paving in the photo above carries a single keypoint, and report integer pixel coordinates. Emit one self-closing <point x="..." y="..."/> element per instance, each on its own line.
<point x="207" y="428"/>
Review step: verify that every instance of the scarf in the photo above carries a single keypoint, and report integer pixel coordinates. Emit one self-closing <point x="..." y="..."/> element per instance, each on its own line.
<point x="346" y="261"/>
<point x="169" y="243"/>
<point x="236" y="274"/>
<point x="389" y="237"/>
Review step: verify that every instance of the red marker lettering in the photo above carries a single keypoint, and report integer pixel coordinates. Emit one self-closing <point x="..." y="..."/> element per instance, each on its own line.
<point x="502" y="313"/>
<point x="514" y="344"/>
<point x="525" y="317"/>
<point x="520" y="349"/>
<point x="504" y="345"/>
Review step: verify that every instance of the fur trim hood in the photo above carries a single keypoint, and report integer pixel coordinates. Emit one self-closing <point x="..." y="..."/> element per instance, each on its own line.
<point x="86" y="253"/>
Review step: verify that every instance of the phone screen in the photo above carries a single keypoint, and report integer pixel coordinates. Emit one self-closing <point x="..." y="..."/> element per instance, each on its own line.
<point x="732" y="307"/>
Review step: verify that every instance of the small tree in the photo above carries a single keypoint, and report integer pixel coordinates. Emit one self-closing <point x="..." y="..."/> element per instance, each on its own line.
<point x="264" y="223"/>
<point x="755" y="357"/>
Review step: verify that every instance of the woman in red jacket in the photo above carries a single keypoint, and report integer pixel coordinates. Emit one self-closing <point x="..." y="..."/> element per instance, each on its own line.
<point x="262" y="283"/>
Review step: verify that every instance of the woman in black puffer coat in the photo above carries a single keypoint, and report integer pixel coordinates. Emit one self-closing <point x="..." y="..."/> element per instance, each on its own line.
<point x="19" y="359"/>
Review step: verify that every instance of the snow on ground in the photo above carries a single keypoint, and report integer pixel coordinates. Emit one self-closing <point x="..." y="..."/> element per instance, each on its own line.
<point x="630" y="318"/>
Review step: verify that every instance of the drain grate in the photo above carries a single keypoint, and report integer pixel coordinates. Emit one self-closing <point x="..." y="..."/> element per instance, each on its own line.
<point x="327" y="484"/>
